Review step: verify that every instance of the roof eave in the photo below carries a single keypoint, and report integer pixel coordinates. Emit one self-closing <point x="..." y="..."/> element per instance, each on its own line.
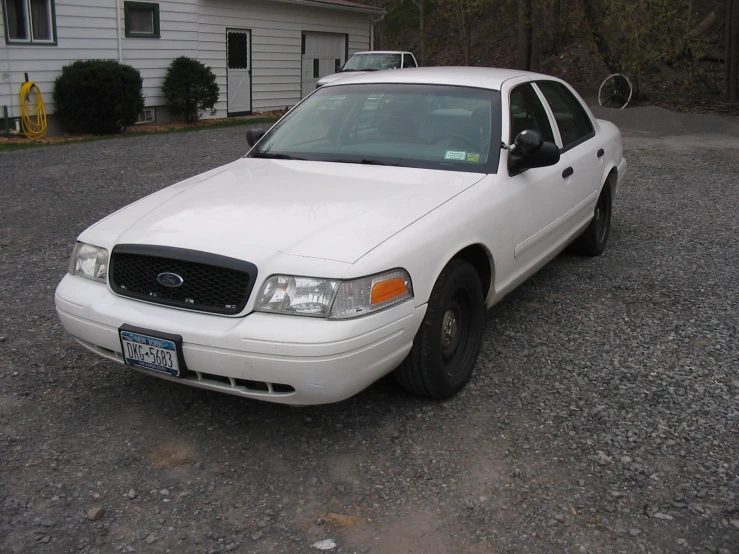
<point x="320" y="4"/>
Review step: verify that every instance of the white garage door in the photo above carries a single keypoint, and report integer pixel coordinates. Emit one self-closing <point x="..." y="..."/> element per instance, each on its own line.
<point x="323" y="54"/>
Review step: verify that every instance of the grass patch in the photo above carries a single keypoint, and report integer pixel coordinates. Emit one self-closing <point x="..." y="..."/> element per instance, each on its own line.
<point x="9" y="144"/>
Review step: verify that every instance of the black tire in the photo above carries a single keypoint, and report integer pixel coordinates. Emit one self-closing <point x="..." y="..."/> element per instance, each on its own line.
<point x="592" y="242"/>
<point x="441" y="361"/>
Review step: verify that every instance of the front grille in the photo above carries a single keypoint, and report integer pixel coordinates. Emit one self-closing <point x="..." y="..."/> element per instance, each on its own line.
<point x="209" y="283"/>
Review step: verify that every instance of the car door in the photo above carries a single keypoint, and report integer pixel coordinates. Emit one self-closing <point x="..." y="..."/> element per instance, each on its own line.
<point x="582" y="159"/>
<point x="541" y="197"/>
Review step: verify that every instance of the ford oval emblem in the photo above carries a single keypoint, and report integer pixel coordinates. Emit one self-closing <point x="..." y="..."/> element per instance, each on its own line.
<point x="171" y="280"/>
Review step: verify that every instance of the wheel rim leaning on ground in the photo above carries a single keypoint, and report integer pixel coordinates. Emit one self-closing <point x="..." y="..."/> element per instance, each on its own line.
<point x="615" y="91"/>
<point x="446" y="346"/>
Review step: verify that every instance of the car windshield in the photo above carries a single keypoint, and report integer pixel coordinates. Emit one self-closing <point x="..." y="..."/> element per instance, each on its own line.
<point x="372" y="62"/>
<point x="426" y="126"/>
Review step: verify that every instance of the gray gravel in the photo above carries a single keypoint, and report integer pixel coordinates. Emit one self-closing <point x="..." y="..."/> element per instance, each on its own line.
<point x="603" y="416"/>
<point x="653" y="119"/>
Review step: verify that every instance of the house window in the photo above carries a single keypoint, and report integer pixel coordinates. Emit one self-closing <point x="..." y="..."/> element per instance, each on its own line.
<point x="29" y="21"/>
<point x="142" y="19"/>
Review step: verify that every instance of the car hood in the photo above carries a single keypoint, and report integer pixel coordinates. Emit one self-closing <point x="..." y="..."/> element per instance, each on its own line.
<point x="253" y="208"/>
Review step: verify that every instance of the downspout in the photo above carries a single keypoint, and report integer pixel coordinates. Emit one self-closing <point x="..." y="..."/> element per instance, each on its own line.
<point x="118" y="29"/>
<point x="372" y="30"/>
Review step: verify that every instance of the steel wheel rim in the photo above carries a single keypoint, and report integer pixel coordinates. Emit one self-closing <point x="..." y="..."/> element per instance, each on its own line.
<point x="455" y="333"/>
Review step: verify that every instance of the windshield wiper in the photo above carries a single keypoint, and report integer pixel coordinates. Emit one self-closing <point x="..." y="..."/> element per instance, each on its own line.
<point x="275" y="156"/>
<point x="364" y="161"/>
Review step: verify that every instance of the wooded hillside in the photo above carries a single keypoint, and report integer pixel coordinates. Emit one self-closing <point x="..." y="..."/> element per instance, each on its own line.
<point x="680" y="52"/>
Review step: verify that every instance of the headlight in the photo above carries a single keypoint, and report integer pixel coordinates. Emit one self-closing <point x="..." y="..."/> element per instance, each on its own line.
<point x="296" y="295"/>
<point x="89" y="261"/>
<point x="333" y="298"/>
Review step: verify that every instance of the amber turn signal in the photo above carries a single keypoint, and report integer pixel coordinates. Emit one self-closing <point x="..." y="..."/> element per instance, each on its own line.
<point x="387" y="290"/>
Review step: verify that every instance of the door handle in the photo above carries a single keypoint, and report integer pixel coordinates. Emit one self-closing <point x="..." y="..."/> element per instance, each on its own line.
<point x="567" y="172"/>
<point x="601" y="152"/>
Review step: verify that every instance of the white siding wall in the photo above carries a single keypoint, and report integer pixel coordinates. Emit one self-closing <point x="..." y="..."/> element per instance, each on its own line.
<point x="276" y="44"/>
<point x="152" y="56"/>
<point x="86" y="29"/>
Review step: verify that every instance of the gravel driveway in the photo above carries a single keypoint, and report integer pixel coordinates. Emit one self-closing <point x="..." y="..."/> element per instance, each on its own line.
<point x="603" y="415"/>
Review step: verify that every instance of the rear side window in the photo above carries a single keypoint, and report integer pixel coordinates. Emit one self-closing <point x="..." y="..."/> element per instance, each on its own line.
<point x="408" y="61"/>
<point x="572" y="120"/>
<point x="528" y="113"/>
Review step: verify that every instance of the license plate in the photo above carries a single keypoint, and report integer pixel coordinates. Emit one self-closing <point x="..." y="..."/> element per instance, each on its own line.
<point x="150" y="352"/>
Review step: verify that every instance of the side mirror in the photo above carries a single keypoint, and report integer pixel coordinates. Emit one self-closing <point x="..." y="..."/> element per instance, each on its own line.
<point x="531" y="150"/>
<point x="253" y="135"/>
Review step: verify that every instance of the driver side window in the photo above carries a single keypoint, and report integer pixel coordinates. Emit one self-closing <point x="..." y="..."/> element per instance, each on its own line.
<point x="528" y="113"/>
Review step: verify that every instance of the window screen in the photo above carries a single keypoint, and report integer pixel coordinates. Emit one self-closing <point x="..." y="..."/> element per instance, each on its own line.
<point x="15" y="12"/>
<point x="40" y="17"/>
<point x="142" y="19"/>
<point x="238" y="50"/>
<point x="30" y="21"/>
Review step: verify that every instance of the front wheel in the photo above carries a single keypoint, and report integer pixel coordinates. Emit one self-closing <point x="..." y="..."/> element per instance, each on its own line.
<point x="445" y="349"/>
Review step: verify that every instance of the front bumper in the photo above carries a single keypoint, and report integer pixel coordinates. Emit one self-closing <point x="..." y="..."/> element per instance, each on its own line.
<point x="323" y="361"/>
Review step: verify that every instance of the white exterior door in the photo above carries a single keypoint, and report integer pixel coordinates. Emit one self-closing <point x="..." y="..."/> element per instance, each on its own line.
<point x="323" y="54"/>
<point x="238" y="62"/>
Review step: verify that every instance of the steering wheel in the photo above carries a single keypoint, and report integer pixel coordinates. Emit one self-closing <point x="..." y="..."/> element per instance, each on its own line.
<point x="468" y="142"/>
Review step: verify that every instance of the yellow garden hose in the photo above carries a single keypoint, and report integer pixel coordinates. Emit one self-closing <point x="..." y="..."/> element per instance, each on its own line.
<point x="33" y="121"/>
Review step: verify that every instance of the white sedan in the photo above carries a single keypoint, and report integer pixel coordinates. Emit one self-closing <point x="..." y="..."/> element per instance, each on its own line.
<point x="365" y="233"/>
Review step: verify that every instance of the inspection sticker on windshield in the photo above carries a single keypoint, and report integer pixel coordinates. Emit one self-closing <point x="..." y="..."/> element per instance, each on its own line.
<point x="473" y="157"/>
<point x="455" y="155"/>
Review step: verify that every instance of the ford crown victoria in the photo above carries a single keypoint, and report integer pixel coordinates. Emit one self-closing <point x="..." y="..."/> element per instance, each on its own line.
<point x="365" y="233"/>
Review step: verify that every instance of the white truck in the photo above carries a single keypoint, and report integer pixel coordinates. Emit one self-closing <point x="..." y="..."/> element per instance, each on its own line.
<point x="377" y="60"/>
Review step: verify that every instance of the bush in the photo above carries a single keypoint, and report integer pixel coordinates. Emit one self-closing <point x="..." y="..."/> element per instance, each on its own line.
<point x="98" y="96"/>
<point x="190" y="88"/>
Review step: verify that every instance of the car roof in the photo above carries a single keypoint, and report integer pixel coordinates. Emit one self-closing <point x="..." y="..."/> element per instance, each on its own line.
<point x="381" y="52"/>
<point x="479" y="77"/>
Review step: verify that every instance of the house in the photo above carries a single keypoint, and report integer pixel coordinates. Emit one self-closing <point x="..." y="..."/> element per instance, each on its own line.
<point x="266" y="54"/>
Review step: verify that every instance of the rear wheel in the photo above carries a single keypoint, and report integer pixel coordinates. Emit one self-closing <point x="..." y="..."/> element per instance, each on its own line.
<point x="446" y="346"/>
<point x="593" y="240"/>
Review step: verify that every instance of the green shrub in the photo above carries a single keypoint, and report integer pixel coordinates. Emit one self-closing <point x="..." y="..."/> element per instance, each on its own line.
<point x="190" y="88"/>
<point x="98" y="96"/>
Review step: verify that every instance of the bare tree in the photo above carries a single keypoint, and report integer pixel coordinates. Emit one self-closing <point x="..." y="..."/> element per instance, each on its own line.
<point x="536" y="16"/>
<point x="462" y="13"/>
<point x="732" y="49"/>
<point x="523" y="53"/>
<point x="595" y="19"/>
<point x="528" y="55"/>
<point x="421" y="5"/>
<point x="556" y="24"/>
